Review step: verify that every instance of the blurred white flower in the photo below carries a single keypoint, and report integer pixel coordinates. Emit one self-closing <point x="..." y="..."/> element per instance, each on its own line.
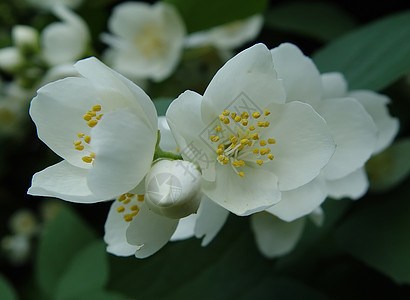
<point x="95" y="123"/>
<point x="17" y="247"/>
<point x="23" y="222"/>
<point x="49" y="4"/>
<point x="249" y="143"/>
<point x="66" y="41"/>
<point x="146" y="40"/>
<point x="11" y="59"/>
<point x="25" y="37"/>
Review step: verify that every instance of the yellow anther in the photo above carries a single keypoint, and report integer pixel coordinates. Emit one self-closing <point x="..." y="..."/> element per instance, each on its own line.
<point x="226" y="121"/>
<point x="266" y="112"/>
<point x="240" y="147"/>
<point x="233" y="115"/>
<point x="255" y="136"/>
<point x="92" y="155"/>
<point x="259" y="162"/>
<point x="87" y="159"/>
<point x="226" y="113"/>
<point x="241" y="174"/>
<point x="99" y="116"/>
<point x="140" y="198"/>
<point x="76" y="142"/>
<point x="91" y="113"/>
<point x="214" y="138"/>
<point x="221" y="117"/>
<point x="233" y="139"/>
<point x="87" y="139"/>
<point x="92" y="122"/>
<point x="130" y="195"/>
<point x="267" y="124"/>
<point x="177" y="149"/>
<point x="244" y="141"/>
<point x="122" y="197"/>
<point x="96" y="107"/>
<point x="87" y="117"/>
<point x="270" y="156"/>
<point x="218" y="128"/>
<point x="80" y="135"/>
<point x="244" y="115"/>
<point x="238" y="119"/>
<point x="265" y="151"/>
<point x="128" y="217"/>
<point x="219" y="151"/>
<point x="251" y="128"/>
<point x="244" y="122"/>
<point x="134" y="208"/>
<point x="221" y="147"/>
<point x="250" y="143"/>
<point x="120" y="209"/>
<point x="262" y="143"/>
<point x="261" y="124"/>
<point x="271" y="141"/>
<point x="135" y="213"/>
<point x="236" y="164"/>
<point x="256" y="115"/>
<point x="255" y="150"/>
<point x="242" y="163"/>
<point x="225" y="161"/>
<point x="221" y="158"/>
<point x="126" y="201"/>
<point x="79" y="147"/>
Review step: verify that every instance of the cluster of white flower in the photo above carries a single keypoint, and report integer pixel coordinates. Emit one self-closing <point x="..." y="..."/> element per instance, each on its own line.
<point x="270" y="138"/>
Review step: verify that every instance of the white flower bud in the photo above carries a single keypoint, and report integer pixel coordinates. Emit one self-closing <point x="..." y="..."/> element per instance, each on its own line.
<point x="25" y="37"/>
<point x="10" y="59"/>
<point x="172" y="188"/>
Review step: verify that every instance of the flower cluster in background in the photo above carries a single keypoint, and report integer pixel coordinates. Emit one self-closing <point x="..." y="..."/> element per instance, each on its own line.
<point x="207" y="147"/>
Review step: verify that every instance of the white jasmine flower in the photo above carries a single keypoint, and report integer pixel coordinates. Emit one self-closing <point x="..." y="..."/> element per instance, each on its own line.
<point x="249" y="143"/>
<point x="228" y="36"/>
<point x="17" y="247"/>
<point x="49" y="4"/>
<point x="95" y="123"/>
<point x="66" y="41"/>
<point x="23" y="222"/>
<point x="146" y="40"/>
<point x="11" y="59"/>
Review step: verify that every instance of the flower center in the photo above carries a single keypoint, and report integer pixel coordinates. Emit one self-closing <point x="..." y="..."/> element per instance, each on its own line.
<point x="238" y="140"/>
<point x="150" y="41"/>
<point x="128" y="209"/>
<point x="83" y="141"/>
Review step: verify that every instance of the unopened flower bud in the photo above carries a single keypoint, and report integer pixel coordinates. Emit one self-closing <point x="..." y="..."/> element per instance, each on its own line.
<point x="172" y="188"/>
<point x="10" y="59"/>
<point x="25" y="37"/>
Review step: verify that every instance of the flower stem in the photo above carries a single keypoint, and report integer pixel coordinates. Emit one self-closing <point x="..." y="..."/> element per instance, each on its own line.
<point x="159" y="153"/>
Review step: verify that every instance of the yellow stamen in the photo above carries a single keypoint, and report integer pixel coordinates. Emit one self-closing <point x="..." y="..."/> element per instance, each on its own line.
<point x="92" y="155"/>
<point x="122" y="197"/>
<point x="221" y="117"/>
<point x="120" y="209"/>
<point x="96" y="107"/>
<point x="87" y="159"/>
<point x="251" y="128"/>
<point x="244" y="122"/>
<point x="233" y="139"/>
<point x="99" y="117"/>
<point x="218" y="129"/>
<point x="128" y="217"/>
<point x="130" y="195"/>
<point x="271" y="141"/>
<point x="270" y="156"/>
<point x="244" y="141"/>
<point x="267" y="112"/>
<point x="87" y="117"/>
<point x="126" y="201"/>
<point x="226" y="121"/>
<point x="259" y="162"/>
<point x="76" y="142"/>
<point x="221" y="147"/>
<point x="262" y="143"/>
<point x="87" y="139"/>
<point x="236" y="163"/>
<point x="92" y="122"/>
<point x="80" y="135"/>
<point x="241" y="174"/>
<point x="261" y="124"/>
<point x="256" y="115"/>
<point x="255" y="150"/>
<point x="265" y="151"/>
<point x="214" y="138"/>
<point x="134" y="208"/>
<point x="242" y="163"/>
<point x="233" y="115"/>
<point x="79" y="147"/>
<point x="226" y="113"/>
<point x="140" y="198"/>
<point x="255" y="136"/>
<point x="244" y="115"/>
<point x="219" y="151"/>
<point x="238" y="119"/>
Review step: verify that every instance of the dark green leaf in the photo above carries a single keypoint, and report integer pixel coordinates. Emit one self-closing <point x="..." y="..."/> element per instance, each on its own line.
<point x="378" y="235"/>
<point x="6" y="290"/>
<point x="320" y="20"/>
<point x="87" y="272"/>
<point x="203" y="14"/>
<point x="99" y="295"/>
<point x="371" y="57"/>
<point x="60" y="242"/>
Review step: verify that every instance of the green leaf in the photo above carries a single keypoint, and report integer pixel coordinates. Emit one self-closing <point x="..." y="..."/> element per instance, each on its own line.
<point x="161" y="104"/>
<point x="61" y="240"/>
<point x="99" y="295"/>
<point x="6" y="290"/>
<point x="87" y="272"/>
<point x="378" y="235"/>
<point x="390" y="167"/>
<point x="203" y="14"/>
<point x="319" y="20"/>
<point x="371" y="57"/>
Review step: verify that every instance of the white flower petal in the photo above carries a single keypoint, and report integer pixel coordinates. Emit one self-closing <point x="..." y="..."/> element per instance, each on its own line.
<point x="250" y="77"/>
<point x="167" y="142"/>
<point x="64" y="181"/>
<point x="354" y="133"/>
<point x="301" y="201"/>
<point x="150" y="232"/>
<point x="317" y="216"/>
<point x="184" y="119"/>
<point x="334" y="85"/>
<point x="353" y="185"/>
<point x="275" y="237"/>
<point x="124" y="146"/>
<point x="255" y="192"/>
<point x="210" y="220"/>
<point x="376" y="105"/>
<point x="185" y="229"/>
<point x="303" y="144"/>
<point x="300" y="76"/>
<point x="115" y="233"/>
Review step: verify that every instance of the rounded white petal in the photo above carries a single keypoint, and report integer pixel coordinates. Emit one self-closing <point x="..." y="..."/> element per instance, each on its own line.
<point x="185" y="229"/>
<point x="247" y="82"/>
<point x="303" y="144"/>
<point x="210" y="219"/>
<point x="376" y="105"/>
<point x="300" y="76"/>
<point x="191" y="134"/>
<point x="115" y="233"/>
<point x="353" y="185"/>
<point x="275" y="237"/>
<point x="124" y="146"/>
<point x="149" y="232"/>
<point x="334" y="85"/>
<point x="66" y="182"/>
<point x="255" y="192"/>
<point x="354" y="133"/>
<point x="301" y="201"/>
<point x="167" y="142"/>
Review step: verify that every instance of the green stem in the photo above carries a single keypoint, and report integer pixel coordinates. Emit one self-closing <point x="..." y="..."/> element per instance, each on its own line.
<point x="159" y="153"/>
